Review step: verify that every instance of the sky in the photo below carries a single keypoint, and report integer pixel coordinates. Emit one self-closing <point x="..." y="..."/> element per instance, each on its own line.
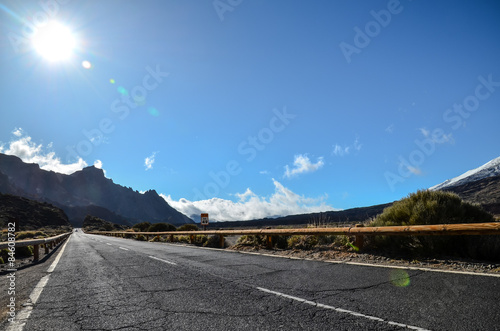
<point x="248" y="109"/>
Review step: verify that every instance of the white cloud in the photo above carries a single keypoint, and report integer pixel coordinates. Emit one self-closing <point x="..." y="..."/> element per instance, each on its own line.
<point x="302" y="165"/>
<point x="23" y="147"/>
<point x="98" y="164"/>
<point x="390" y="129"/>
<point x="250" y="206"/>
<point x="17" y="132"/>
<point x="339" y="150"/>
<point x="149" y="161"/>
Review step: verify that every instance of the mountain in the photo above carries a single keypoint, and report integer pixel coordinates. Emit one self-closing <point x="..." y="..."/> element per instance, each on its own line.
<point x="485" y="192"/>
<point x="490" y="169"/>
<point x="83" y="191"/>
<point x="29" y="214"/>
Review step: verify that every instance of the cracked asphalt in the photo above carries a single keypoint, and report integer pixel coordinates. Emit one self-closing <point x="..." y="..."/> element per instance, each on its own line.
<point x="106" y="283"/>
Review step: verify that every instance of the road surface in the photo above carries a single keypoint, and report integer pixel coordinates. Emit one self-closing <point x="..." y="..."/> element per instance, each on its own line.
<point x="107" y="283"/>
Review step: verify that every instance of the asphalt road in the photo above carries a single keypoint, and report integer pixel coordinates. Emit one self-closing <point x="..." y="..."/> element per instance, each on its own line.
<point x="105" y="283"/>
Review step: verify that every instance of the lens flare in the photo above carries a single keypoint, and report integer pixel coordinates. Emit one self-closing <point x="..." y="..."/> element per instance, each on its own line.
<point x="122" y="90"/>
<point x="153" y="111"/>
<point x="399" y="278"/>
<point x="86" y="64"/>
<point x="112" y="81"/>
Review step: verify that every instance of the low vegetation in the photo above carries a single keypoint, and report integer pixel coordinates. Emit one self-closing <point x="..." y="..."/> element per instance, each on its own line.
<point x="420" y="208"/>
<point x="92" y="223"/>
<point x="435" y="207"/>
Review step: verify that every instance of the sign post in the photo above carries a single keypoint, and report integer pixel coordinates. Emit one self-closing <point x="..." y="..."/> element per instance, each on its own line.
<point x="204" y="221"/>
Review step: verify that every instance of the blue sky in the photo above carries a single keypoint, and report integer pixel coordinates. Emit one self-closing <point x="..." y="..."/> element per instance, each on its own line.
<point x="247" y="109"/>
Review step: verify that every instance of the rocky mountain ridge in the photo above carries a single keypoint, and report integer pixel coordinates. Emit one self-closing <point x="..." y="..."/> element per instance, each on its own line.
<point x="84" y="190"/>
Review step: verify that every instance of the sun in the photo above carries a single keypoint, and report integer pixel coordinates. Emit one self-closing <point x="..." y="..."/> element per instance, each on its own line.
<point x="54" y="42"/>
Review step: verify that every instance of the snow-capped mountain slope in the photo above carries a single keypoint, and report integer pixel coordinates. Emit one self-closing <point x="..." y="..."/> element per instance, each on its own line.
<point x="489" y="169"/>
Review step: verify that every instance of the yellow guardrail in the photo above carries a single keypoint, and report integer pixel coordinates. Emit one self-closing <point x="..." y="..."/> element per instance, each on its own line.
<point x="358" y="231"/>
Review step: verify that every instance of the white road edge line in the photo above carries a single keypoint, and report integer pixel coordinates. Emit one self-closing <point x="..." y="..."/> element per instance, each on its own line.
<point x="414" y="268"/>
<point x="155" y="258"/>
<point x="24" y="314"/>
<point x="340" y="310"/>
<point x="373" y="265"/>
<point x="125" y="249"/>
<point x="109" y="244"/>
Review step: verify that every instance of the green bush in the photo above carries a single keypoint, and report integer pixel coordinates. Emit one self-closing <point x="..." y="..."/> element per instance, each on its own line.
<point x="434" y="207"/>
<point x="161" y="227"/>
<point x="188" y="227"/>
<point x="141" y="227"/>
<point x="431" y="207"/>
<point x="1" y="260"/>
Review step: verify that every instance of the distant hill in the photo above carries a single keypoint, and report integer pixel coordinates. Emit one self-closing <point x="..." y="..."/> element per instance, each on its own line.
<point x="353" y="215"/>
<point x="30" y="214"/>
<point x="84" y="191"/>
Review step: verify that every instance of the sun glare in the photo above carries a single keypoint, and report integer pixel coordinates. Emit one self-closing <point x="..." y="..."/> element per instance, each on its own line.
<point x="54" y="42"/>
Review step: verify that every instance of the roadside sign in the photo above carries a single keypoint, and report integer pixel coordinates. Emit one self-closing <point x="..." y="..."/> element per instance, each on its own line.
<point x="204" y="219"/>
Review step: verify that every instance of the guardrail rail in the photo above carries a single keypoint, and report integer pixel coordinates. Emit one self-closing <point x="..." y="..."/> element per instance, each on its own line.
<point x="47" y="243"/>
<point x="358" y="232"/>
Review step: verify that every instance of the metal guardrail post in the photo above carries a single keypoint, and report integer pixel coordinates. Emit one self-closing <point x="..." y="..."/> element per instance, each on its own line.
<point x="36" y="254"/>
<point x="46" y="248"/>
<point x="269" y="242"/>
<point x="358" y="239"/>
<point x="221" y="241"/>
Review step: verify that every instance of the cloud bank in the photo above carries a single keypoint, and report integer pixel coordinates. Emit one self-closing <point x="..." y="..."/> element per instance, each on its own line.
<point x="23" y="147"/>
<point x="250" y="206"/>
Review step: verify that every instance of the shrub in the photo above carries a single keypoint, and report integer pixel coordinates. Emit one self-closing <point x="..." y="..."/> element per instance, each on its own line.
<point x="24" y="251"/>
<point x="188" y="227"/>
<point x="251" y="240"/>
<point x="30" y="235"/>
<point x="302" y="242"/>
<point x="433" y="207"/>
<point x="140" y="237"/>
<point x="141" y="227"/>
<point x="160" y="227"/>
<point x="213" y="241"/>
<point x="156" y="239"/>
<point x="1" y="260"/>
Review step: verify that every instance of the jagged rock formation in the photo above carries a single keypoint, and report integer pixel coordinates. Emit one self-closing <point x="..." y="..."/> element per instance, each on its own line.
<point x="85" y="190"/>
